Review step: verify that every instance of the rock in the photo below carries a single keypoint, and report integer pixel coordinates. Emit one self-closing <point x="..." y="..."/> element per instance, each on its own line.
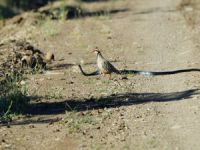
<point x="49" y="78"/>
<point x="100" y="111"/>
<point x="31" y="126"/>
<point x="57" y="130"/>
<point x="94" y="113"/>
<point x="91" y="136"/>
<point x="84" y="132"/>
<point x="124" y="78"/>
<point x="22" y="82"/>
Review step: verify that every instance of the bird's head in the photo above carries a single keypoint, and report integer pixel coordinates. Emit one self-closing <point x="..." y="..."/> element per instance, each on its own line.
<point x="96" y="50"/>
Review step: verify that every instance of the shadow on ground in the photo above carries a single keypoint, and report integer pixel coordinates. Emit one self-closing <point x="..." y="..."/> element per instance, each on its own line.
<point x="6" y="12"/>
<point x="112" y="101"/>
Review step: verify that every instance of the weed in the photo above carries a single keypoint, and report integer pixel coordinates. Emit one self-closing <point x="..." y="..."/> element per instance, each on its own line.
<point x="49" y="28"/>
<point x="126" y="147"/>
<point x="106" y="116"/>
<point x="54" y="94"/>
<point x="75" y="122"/>
<point x="13" y="97"/>
<point x="96" y="147"/>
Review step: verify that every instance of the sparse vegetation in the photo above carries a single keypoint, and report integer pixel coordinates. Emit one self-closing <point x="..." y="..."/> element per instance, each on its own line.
<point x="75" y="121"/>
<point x="49" y="29"/>
<point x="13" y="97"/>
<point x="54" y="94"/>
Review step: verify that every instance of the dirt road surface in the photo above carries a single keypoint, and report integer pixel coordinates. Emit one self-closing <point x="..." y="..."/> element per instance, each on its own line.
<point x="77" y="112"/>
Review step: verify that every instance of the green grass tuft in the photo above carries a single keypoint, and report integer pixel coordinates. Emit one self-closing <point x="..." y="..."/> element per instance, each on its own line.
<point x="13" y="97"/>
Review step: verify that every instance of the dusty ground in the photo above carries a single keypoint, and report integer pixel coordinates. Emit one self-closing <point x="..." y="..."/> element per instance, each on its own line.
<point x="70" y="111"/>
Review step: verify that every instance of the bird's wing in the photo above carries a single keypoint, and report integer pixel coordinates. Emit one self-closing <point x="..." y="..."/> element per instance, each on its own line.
<point x="110" y="67"/>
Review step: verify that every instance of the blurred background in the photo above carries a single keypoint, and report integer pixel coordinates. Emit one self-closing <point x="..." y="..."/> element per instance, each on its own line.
<point x="10" y="8"/>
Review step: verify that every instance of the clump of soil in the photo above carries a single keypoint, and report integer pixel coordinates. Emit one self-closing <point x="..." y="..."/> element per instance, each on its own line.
<point x="12" y="54"/>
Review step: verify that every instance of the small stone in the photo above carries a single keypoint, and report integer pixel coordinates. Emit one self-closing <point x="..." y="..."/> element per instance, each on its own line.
<point x="100" y="111"/>
<point x="31" y="126"/>
<point x="93" y="113"/>
<point x="57" y="139"/>
<point x="22" y="82"/>
<point x="83" y="113"/>
<point x="57" y="130"/>
<point x="91" y="136"/>
<point x="71" y="82"/>
<point x="121" y="114"/>
<point x="51" y="123"/>
<point x="41" y="79"/>
<point x="124" y="78"/>
<point x="138" y="116"/>
<point x="7" y="145"/>
<point x="48" y="78"/>
<point x="84" y="132"/>
<point x="188" y="9"/>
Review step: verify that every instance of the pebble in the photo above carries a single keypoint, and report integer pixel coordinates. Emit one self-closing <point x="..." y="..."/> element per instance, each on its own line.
<point x="49" y="78"/>
<point x="22" y="82"/>
<point x="41" y="79"/>
<point x="31" y="126"/>
<point x="94" y="113"/>
<point x="91" y="136"/>
<point x="57" y="139"/>
<point x="124" y="78"/>
<point x="83" y="113"/>
<point x="188" y="8"/>
<point x="100" y="111"/>
<point x="84" y="132"/>
<point x="57" y="130"/>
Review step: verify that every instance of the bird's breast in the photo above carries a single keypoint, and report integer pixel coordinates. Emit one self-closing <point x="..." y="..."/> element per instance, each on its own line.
<point x="100" y="63"/>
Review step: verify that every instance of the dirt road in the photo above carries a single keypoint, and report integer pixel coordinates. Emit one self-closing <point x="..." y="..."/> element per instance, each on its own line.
<point x="159" y="112"/>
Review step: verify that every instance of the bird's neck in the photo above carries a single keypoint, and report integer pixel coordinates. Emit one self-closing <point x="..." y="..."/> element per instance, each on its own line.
<point x="99" y="55"/>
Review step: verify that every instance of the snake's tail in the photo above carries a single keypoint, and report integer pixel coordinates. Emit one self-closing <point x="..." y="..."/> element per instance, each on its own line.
<point x="88" y="74"/>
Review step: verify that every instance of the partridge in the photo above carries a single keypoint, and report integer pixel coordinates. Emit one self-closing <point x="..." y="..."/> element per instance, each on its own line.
<point x="104" y="66"/>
